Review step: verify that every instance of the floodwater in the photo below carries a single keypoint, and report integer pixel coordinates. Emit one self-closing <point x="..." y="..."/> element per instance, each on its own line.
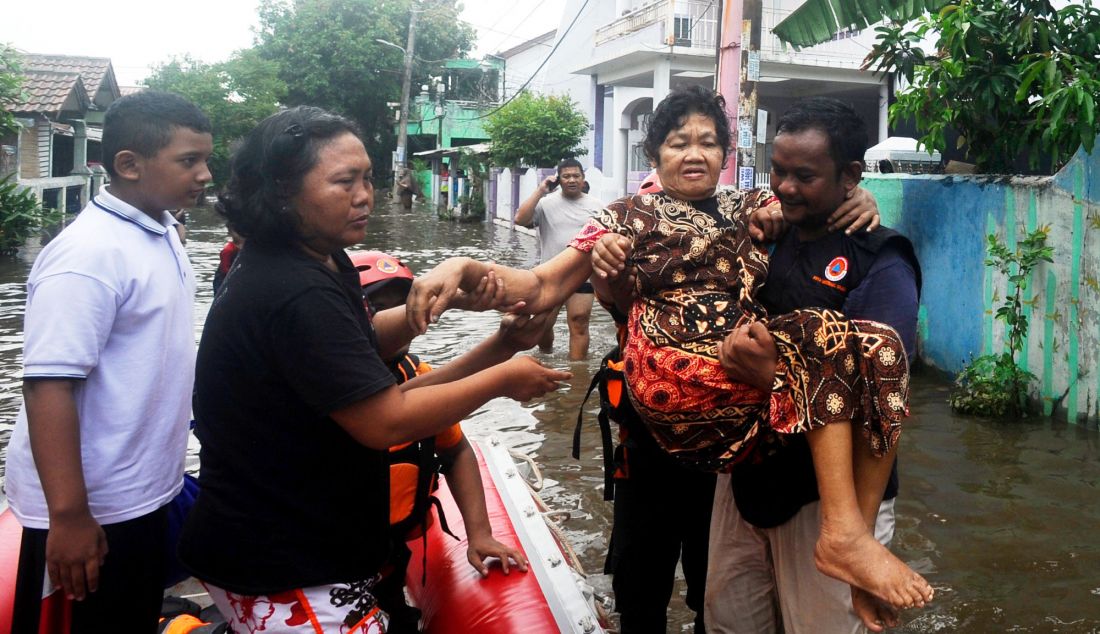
<point x="1003" y="518"/>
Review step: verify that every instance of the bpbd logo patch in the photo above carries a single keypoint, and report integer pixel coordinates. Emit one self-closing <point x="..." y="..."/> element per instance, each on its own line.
<point x="837" y="269"/>
<point x="387" y="265"/>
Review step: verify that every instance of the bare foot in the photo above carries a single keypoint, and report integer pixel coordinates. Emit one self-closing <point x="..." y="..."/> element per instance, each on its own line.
<point x="876" y="614"/>
<point x="862" y="562"/>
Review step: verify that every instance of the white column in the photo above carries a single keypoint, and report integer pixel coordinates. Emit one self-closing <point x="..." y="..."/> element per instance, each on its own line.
<point x="662" y="77"/>
<point x="622" y="159"/>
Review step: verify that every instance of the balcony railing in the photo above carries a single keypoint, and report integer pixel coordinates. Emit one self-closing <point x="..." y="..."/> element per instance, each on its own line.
<point x="694" y="24"/>
<point x="686" y="23"/>
<point x="843" y="52"/>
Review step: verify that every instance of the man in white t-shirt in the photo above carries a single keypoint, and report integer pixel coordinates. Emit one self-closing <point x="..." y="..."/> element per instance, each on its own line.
<point x="559" y="217"/>
<point x="108" y="367"/>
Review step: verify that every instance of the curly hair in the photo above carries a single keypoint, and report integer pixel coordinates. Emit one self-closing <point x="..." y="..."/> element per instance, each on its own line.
<point x="673" y="112"/>
<point x="268" y="168"/>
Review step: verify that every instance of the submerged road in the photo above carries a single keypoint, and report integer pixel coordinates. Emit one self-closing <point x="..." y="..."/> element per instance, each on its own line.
<point x="1001" y="517"/>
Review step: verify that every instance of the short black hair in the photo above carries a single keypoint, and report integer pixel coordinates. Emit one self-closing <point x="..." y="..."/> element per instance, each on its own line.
<point x="840" y="123"/>
<point x="143" y="123"/>
<point x="570" y="162"/>
<point x="268" y="168"/>
<point x="673" y="111"/>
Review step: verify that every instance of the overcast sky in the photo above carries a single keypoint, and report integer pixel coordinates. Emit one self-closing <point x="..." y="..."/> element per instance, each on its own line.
<point x="137" y="34"/>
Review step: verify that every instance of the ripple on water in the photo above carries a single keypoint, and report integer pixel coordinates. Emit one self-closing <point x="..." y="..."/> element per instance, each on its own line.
<point x="988" y="510"/>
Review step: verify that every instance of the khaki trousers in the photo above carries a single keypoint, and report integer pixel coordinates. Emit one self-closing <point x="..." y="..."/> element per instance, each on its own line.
<point x="764" y="581"/>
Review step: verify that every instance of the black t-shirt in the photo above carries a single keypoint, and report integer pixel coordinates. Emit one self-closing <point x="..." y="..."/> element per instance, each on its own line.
<point x="866" y="276"/>
<point x="288" y="499"/>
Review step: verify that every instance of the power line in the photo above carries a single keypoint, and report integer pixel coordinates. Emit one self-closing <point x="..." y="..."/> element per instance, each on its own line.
<point x="522" y="20"/>
<point x="534" y="74"/>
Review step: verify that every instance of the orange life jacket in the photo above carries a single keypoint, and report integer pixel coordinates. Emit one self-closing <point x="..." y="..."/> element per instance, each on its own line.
<point x="188" y="624"/>
<point x="615" y="405"/>
<point x="414" y="469"/>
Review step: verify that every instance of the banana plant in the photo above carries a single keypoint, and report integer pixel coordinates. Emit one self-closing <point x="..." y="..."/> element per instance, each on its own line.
<point x="818" y="21"/>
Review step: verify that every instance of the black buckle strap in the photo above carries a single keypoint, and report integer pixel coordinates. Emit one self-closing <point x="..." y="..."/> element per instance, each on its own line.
<point x="605" y="435"/>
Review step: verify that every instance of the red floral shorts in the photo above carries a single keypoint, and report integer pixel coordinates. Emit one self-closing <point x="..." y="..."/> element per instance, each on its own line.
<point x="342" y="608"/>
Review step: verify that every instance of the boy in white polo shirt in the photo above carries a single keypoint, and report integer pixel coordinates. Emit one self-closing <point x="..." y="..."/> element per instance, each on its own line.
<point x="108" y="365"/>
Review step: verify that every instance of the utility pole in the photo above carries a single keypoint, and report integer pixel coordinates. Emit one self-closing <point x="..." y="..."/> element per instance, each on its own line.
<point x="737" y="77"/>
<point x="403" y="123"/>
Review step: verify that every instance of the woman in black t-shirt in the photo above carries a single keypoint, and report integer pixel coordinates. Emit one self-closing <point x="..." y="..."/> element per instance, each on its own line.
<point x="294" y="406"/>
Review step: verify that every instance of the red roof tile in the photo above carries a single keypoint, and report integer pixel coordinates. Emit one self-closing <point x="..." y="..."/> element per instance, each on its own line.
<point x="47" y="92"/>
<point x="94" y="70"/>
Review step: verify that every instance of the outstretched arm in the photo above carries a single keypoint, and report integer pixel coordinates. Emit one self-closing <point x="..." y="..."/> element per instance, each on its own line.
<point x="534" y="291"/>
<point x="391" y="416"/>
<point x="394" y="331"/>
<point x="516" y="334"/>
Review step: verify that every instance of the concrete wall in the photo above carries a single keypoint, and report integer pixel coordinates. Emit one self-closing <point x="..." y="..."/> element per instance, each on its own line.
<point x="948" y="219"/>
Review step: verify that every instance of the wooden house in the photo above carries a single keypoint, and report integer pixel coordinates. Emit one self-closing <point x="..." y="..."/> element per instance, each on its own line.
<point x="56" y="154"/>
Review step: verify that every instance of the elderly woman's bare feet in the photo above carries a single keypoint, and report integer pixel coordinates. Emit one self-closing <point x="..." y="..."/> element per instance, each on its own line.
<point x="862" y="562"/>
<point x="876" y="614"/>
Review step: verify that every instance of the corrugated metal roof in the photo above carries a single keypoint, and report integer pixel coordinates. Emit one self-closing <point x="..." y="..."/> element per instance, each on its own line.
<point x="50" y="92"/>
<point x="96" y="72"/>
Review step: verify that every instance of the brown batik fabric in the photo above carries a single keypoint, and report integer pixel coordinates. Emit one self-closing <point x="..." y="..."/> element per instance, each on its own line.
<point x="698" y="273"/>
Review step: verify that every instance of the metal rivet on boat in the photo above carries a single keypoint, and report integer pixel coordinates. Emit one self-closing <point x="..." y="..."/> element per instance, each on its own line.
<point x="511" y="473"/>
<point x="587" y="624"/>
<point x="554" y="560"/>
<point x="494" y="441"/>
<point x="529" y="511"/>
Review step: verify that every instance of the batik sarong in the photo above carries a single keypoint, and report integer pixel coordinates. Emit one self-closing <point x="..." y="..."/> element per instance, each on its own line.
<point x="698" y="273"/>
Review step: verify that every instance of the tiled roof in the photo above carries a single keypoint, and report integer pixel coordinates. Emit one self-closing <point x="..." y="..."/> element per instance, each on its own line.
<point x="129" y="90"/>
<point x="47" y="92"/>
<point x="94" y="70"/>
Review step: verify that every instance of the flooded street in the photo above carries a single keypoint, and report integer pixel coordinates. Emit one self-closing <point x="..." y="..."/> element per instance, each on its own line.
<point x="1003" y="518"/>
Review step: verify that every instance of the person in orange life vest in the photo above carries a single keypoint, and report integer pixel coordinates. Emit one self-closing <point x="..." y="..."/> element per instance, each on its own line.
<point x="386" y="282"/>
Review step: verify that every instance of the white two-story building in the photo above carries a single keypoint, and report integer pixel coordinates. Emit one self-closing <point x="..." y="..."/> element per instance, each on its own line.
<point x="617" y="58"/>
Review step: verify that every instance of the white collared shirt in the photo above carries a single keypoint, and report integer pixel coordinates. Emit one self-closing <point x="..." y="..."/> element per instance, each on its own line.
<point x="110" y="303"/>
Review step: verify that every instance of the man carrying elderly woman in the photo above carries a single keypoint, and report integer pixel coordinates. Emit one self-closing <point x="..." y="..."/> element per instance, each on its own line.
<point x="683" y="264"/>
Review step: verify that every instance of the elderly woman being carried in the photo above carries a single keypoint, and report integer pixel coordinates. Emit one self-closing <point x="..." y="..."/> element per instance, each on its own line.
<point x="686" y="259"/>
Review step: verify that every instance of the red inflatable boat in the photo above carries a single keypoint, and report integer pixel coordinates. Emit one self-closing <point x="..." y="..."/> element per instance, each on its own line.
<point x="551" y="597"/>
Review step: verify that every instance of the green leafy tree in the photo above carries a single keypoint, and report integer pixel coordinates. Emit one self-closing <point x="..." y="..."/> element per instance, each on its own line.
<point x="536" y="130"/>
<point x="11" y="88"/>
<point x="1013" y="78"/>
<point x="236" y="95"/>
<point x="328" y="54"/>
<point x="1010" y="77"/>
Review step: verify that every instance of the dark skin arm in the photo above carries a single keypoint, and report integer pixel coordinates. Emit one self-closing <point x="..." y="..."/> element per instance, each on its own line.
<point x="749" y="356"/>
<point x="76" y="544"/>
<point x="392" y="416"/>
<point x="766" y="224"/>
<point x="525" y="213"/>
<point x="534" y="291"/>
<point x="464" y="479"/>
<point x="516" y="334"/>
<point x="394" y="332"/>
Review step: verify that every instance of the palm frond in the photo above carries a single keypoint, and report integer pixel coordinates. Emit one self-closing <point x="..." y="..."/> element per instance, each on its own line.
<point x="818" y="21"/>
